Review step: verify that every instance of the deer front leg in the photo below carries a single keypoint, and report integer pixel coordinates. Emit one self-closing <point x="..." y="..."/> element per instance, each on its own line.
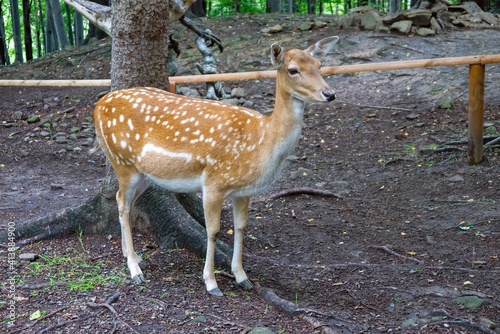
<point x="212" y="206"/>
<point x="240" y="214"/>
<point x="126" y="200"/>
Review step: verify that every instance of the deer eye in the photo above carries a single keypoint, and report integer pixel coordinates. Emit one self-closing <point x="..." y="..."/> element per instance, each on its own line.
<point x="293" y="71"/>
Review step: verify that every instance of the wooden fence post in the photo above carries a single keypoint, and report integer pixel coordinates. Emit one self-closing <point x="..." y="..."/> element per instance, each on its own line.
<point x="476" y="113"/>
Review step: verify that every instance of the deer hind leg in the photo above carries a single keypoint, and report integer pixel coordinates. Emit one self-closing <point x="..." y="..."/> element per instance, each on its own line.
<point x="126" y="197"/>
<point x="212" y="206"/>
<point x="240" y="214"/>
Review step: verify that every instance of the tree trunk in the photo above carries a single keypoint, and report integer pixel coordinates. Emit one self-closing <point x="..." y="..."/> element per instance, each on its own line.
<point x="273" y="6"/>
<point x="140" y="44"/>
<point x="28" y="40"/>
<point x="69" y="24"/>
<point x="58" y="21"/>
<point x="4" y="54"/>
<point x="198" y="8"/>
<point x="95" y="32"/>
<point x="78" y="20"/>
<point x="16" y="29"/>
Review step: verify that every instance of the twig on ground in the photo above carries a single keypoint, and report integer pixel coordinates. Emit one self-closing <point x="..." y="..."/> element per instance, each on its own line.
<point x="67" y="322"/>
<point x="390" y="251"/>
<point x="246" y="329"/>
<point x="38" y="320"/>
<point x="306" y="191"/>
<point x="40" y="285"/>
<point x="493" y="142"/>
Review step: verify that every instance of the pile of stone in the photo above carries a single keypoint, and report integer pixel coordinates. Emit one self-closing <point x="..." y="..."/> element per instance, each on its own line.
<point x="428" y="18"/>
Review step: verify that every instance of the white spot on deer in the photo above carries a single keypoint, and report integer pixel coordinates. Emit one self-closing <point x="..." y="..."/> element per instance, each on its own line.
<point x="123" y="144"/>
<point x="137" y="136"/>
<point x="176" y="133"/>
<point x="197" y="132"/>
<point x="114" y="121"/>
<point x="130" y="125"/>
<point x="121" y="118"/>
<point x="147" y="118"/>
<point x="160" y="150"/>
<point x="109" y="124"/>
<point x="113" y="137"/>
<point x="127" y="135"/>
<point x="153" y="118"/>
<point x="183" y="138"/>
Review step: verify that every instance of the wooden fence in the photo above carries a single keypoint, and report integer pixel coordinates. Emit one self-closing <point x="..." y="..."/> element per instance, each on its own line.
<point x="476" y="85"/>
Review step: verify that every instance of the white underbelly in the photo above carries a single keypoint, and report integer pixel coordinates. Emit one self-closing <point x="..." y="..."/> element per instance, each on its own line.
<point x="178" y="185"/>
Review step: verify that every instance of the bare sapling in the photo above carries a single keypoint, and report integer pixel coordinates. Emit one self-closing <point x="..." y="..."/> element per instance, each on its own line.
<point x="194" y="145"/>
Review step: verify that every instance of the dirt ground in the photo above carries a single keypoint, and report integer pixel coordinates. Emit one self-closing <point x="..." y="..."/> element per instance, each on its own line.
<point x="411" y="246"/>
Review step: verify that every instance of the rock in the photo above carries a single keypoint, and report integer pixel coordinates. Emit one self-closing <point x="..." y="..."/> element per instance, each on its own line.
<point x="403" y="27"/>
<point x="44" y="133"/>
<point x="418" y="17"/>
<point x="436" y="25"/>
<point x="409" y="323"/>
<point x="17" y="115"/>
<point x="238" y="92"/>
<point x="487" y="17"/>
<point x="349" y="20"/>
<point x="319" y="24"/>
<point x="248" y="104"/>
<point x="233" y="102"/>
<point x="488" y="323"/>
<point x="456" y="178"/>
<point x="445" y="101"/>
<point x="339" y="184"/>
<point x="33" y="119"/>
<point x="28" y="257"/>
<point x="273" y="30"/>
<point x="469" y="7"/>
<point x="304" y="172"/>
<point x="370" y="20"/>
<point x="425" y="32"/>
<point x="261" y="330"/>
<point x="305" y="26"/>
<point x="61" y="140"/>
<point x="470" y="302"/>
<point x="412" y="116"/>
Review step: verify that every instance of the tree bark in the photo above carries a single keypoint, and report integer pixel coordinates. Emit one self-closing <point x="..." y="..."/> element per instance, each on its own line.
<point x="16" y="29"/>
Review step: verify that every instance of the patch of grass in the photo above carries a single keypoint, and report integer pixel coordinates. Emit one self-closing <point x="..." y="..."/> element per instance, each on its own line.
<point x="77" y="271"/>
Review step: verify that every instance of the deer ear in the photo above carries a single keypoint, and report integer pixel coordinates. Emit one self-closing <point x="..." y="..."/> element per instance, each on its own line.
<point x="322" y="47"/>
<point x="276" y="55"/>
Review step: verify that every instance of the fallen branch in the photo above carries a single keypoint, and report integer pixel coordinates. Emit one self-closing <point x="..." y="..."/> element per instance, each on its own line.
<point x="305" y="191"/>
<point x="390" y="251"/>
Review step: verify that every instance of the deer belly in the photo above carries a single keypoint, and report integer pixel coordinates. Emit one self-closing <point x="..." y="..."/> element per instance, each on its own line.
<point x="178" y="185"/>
<point x="175" y="171"/>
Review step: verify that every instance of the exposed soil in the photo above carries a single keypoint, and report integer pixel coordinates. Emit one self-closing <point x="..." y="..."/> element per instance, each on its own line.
<point x="415" y="230"/>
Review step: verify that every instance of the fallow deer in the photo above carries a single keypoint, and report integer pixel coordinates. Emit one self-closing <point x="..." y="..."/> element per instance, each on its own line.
<point x="187" y="145"/>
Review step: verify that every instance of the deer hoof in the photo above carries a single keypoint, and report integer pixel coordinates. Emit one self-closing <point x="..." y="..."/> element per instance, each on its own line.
<point x="215" y="292"/>
<point x="139" y="279"/>
<point x="246" y="284"/>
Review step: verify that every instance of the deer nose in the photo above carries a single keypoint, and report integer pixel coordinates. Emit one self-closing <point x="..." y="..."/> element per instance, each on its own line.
<point x="329" y="95"/>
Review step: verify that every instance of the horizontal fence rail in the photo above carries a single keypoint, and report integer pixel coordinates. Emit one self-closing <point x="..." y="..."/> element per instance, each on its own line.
<point x="476" y="85"/>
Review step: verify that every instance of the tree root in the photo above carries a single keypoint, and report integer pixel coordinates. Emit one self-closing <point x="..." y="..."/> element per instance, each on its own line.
<point x="464" y="323"/>
<point x="306" y="191"/>
<point x="108" y="306"/>
<point x="291" y="310"/>
<point x="390" y="251"/>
